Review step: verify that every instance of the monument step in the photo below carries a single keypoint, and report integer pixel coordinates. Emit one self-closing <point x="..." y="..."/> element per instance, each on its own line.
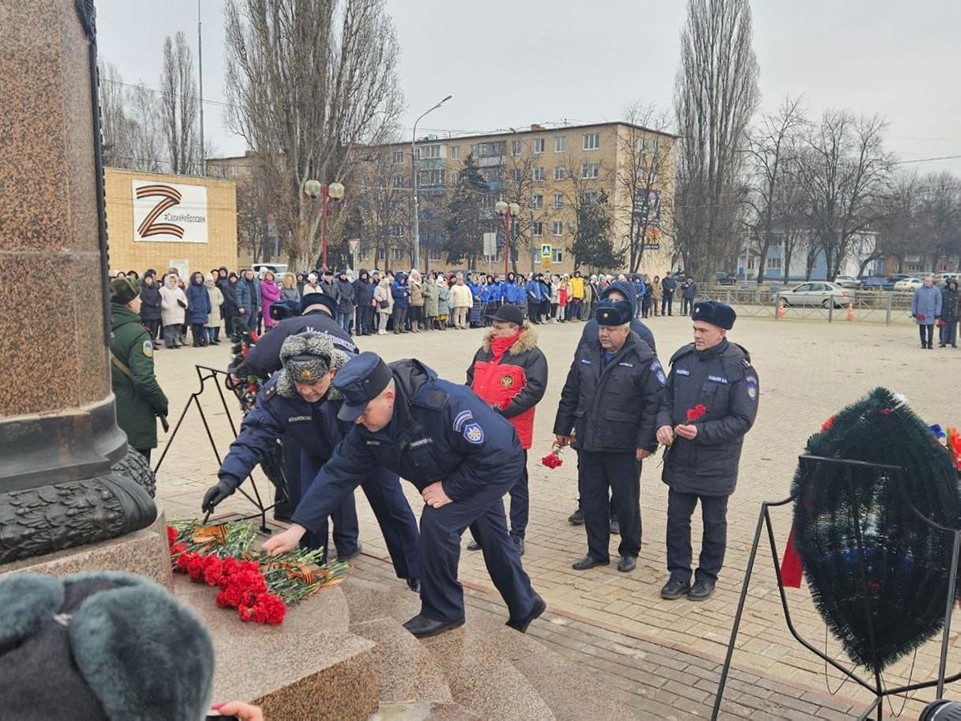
<point x="309" y="667"/>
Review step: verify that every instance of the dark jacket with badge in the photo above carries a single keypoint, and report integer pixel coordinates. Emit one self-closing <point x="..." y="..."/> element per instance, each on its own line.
<point x="439" y="432"/>
<point x="724" y="382"/>
<point x="613" y="406"/>
<point x="264" y="357"/>
<point x="139" y="397"/>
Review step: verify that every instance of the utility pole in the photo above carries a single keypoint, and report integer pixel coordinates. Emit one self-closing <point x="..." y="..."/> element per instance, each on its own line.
<point x="200" y="78"/>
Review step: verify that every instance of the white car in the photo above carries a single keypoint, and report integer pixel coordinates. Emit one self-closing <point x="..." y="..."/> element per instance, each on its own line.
<point x="817" y="292"/>
<point x="908" y="284"/>
<point x="847" y="281"/>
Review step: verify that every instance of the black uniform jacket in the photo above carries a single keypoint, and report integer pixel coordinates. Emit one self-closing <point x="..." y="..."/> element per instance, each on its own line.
<point x="724" y="382"/>
<point x="264" y="357"/>
<point x="612" y="406"/>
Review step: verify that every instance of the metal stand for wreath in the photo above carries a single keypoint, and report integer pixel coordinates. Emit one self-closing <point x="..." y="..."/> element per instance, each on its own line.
<point x="875" y="686"/>
<point x="205" y="374"/>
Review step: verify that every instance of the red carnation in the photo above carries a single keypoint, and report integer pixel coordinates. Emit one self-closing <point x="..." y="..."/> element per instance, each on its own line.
<point x="827" y="425"/>
<point x="171" y="536"/>
<point x="269" y="609"/>
<point x="228" y="598"/>
<point x="184" y="559"/>
<point x="195" y="568"/>
<point x="695" y="413"/>
<point x="552" y="460"/>
<point x="213" y="570"/>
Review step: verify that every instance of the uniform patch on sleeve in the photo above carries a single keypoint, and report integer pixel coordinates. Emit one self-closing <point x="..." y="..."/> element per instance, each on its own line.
<point x="682" y="371"/>
<point x="751" y="387"/>
<point x="460" y="419"/>
<point x="658" y="371"/>
<point x="147" y="349"/>
<point x="473" y="433"/>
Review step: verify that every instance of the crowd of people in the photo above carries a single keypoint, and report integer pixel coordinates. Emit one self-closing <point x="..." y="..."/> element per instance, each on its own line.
<point x="376" y="302"/>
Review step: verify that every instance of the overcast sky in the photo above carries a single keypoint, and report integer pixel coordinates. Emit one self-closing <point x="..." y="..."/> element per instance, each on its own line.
<point x="510" y="63"/>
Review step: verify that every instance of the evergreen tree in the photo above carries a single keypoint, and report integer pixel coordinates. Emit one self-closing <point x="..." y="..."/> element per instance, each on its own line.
<point x="593" y="245"/>
<point x="469" y="215"/>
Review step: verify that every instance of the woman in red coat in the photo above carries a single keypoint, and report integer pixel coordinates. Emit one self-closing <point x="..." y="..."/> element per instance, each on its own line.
<point x="509" y="372"/>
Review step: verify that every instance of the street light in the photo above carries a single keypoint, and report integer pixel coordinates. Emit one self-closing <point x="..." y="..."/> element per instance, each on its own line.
<point x="333" y="191"/>
<point x="508" y="212"/>
<point x="413" y="167"/>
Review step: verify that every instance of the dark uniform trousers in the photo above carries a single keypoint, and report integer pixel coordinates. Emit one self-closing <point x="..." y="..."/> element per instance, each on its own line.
<point x="346" y="529"/>
<point x="680" y="508"/>
<point x="520" y="503"/>
<point x="621" y="473"/>
<point x="442" y="597"/>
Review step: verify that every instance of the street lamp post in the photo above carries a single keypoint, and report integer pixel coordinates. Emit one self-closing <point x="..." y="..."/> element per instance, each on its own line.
<point x="331" y="191"/>
<point x="507" y="212"/>
<point x="413" y="166"/>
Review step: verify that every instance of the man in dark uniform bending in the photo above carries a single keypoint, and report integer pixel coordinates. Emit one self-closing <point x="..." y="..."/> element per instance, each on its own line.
<point x="462" y="457"/>
<point x="701" y="462"/>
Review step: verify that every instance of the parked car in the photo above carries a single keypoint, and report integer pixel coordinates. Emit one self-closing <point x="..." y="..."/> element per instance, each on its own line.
<point x="725" y="278"/>
<point x="877" y="282"/>
<point x="941" y="279"/>
<point x="847" y="281"/>
<point x="817" y="292"/>
<point x="908" y="285"/>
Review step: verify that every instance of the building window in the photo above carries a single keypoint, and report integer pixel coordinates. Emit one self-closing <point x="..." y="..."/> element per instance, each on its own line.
<point x="539" y="145"/>
<point x="774" y="263"/>
<point x="558" y="256"/>
<point x="560" y="172"/>
<point x="397" y="181"/>
<point x="433" y="253"/>
<point x="515" y="147"/>
<point x="590" y="170"/>
<point x="592" y="141"/>
<point x="641" y="145"/>
<point x="538" y="228"/>
<point x="455" y="152"/>
<point x="589" y="198"/>
<point x="558" y="200"/>
<point x="429" y="151"/>
<point x="397" y="230"/>
<point x="751" y="262"/>
<point x="517" y="175"/>
<point x="380" y="254"/>
<point x="560" y="144"/>
<point x="397" y="254"/>
<point x="428" y="178"/>
<point x="538" y="173"/>
<point x="655" y="146"/>
<point x="397" y="157"/>
<point x="537" y="202"/>
<point x="557" y="227"/>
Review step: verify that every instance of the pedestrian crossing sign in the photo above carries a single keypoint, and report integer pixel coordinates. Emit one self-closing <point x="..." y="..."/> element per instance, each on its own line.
<point x="546" y="250"/>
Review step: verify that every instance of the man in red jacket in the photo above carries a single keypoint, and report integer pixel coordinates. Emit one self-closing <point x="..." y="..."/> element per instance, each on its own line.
<point x="509" y="372"/>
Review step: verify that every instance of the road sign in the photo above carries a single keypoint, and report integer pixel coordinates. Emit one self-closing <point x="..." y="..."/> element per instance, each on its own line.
<point x="546" y="250"/>
<point x="545" y="263"/>
<point x="490" y="244"/>
<point x="352" y="244"/>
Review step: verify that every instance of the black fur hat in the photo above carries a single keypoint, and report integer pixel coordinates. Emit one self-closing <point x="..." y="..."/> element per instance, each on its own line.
<point x="99" y="646"/>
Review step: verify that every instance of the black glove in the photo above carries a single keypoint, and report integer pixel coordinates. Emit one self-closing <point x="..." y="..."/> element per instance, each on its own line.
<point x="181" y="303"/>
<point x="215" y="495"/>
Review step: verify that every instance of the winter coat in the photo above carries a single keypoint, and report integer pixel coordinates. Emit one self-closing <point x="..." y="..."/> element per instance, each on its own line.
<point x="461" y="297"/>
<point x="577" y="288"/>
<point x="269" y="294"/>
<point x="291" y="294"/>
<point x="416" y="294"/>
<point x="949" y="305"/>
<point x="150" y="302"/>
<point x="724" y="382"/>
<point x="198" y="303"/>
<point x="430" y="300"/>
<point x="139" y="398"/>
<point x="345" y="295"/>
<point x="381" y="293"/>
<point x="216" y="300"/>
<point x="363" y="292"/>
<point x="926" y="305"/>
<point x="656" y="290"/>
<point x="668" y="286"/>
<point x="612" y="406"/>
<point x="400" y="291"/>
<point x="443" y="301"/>
<point x="248" y="296"/>
<point x="513" y="383"/>
<point x="690" y="291"/>
<point x="230" y="298"/>
<point x="172" y="312"/>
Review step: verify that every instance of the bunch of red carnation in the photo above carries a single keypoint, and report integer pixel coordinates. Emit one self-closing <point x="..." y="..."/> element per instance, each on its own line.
<point x="695" y="413"/>
<point x="553" y="459"/>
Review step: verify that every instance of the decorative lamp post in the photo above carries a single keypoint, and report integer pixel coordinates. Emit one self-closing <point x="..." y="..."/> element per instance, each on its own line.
<point x="413" y="166"/>
<point x="508" y="212"/>
<point x="332" y="191"/>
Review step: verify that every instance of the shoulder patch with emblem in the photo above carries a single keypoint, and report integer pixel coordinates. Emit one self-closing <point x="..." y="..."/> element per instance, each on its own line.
<point x="147" y="349"/>
<point x="751" y="387"/>
<point x="460" y="419"/>
<point x="658" y="371"/>
<point x="473" y="433"/>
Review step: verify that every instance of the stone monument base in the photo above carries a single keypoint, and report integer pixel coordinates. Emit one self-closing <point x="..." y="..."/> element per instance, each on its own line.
<point x="143" y="552"/>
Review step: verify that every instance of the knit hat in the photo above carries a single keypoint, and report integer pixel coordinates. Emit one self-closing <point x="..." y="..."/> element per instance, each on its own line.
<point x="97" y="647"/>
<point x="123" y="290"/>
<point x="306" y="358"/>
<point x="509" y="313"/>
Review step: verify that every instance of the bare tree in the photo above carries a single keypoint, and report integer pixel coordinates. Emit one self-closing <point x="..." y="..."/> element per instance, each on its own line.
<point x="144" y="131"/>
<point x="520" y="188"/>
<point x="113" y="115"/>
<point x="844" y="170"/>
<point x="939" y="218"/>
<point x="773" y="150"/>
<point x="180" y="107"/>
<point x="383" y="200"/>
<point x="308" y="80"/>
<point x="715" y="95"/>
<point x="645" y="173"/>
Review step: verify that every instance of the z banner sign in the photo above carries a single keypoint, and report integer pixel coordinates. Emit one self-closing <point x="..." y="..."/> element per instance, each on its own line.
<point x="169" y="213"/>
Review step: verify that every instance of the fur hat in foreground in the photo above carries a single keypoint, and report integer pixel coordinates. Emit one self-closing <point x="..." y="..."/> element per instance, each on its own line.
<point x="100" y="646"/>
<point x="306" y="358"/>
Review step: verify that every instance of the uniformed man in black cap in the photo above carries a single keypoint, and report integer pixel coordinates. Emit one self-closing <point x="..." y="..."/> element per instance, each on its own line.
<point x="609" y="408"/>
<point x="711" y="403"/>
<point x="462" y="457"/>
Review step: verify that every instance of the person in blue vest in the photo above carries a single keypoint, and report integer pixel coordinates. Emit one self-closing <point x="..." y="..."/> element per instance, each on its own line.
<point x="460" y="455"/>
<point x="299" y="403"/>
<point x="536" y="294"/>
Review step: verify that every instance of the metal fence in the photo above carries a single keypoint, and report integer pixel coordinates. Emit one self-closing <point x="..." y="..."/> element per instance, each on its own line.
<point x="872" y="306"/>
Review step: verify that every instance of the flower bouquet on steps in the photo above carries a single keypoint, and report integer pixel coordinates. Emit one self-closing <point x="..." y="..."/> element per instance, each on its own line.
<point x="260" y="587"/>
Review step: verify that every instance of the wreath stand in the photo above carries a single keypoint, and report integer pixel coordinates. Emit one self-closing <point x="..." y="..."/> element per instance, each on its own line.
<point x="205" y="374"/>
<point x="875" y="685"/>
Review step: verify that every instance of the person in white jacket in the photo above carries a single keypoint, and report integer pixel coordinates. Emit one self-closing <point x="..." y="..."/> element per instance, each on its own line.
<point x="383" y="304"/>
<point x="173" y="307"/>
<point x="214" y="319"/>
<point x="461" y="300"/>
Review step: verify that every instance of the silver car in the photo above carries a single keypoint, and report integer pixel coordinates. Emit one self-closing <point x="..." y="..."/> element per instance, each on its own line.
<point x="817" y="292"/>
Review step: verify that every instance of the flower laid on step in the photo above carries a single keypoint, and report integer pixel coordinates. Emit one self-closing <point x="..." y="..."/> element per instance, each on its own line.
<point x="261" y="588"/>
<point x="695" y="413"/>
<point x="553" y="459"/>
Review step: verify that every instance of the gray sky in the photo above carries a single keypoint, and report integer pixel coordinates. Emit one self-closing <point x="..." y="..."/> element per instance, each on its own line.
<point x="510" y="63"/>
